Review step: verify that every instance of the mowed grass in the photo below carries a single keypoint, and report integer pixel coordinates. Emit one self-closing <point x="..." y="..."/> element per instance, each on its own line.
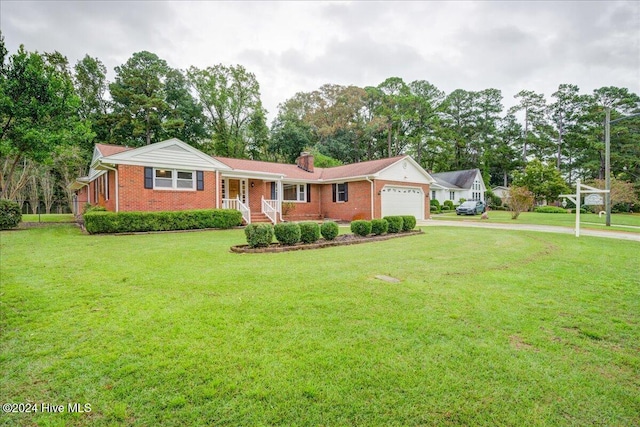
<point x="486" y="327"/>
<point x="47" y="218"/>
<point x="619" y="222"/>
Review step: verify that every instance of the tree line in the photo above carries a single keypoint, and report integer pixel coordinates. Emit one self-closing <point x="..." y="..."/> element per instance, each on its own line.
<point x="52" y="114"/>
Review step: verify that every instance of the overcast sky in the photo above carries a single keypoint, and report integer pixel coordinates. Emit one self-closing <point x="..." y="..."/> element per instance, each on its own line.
<point x="298" y="46"/>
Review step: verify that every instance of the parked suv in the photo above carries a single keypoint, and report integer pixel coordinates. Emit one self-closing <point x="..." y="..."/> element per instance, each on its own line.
<point x="470" y="207"/>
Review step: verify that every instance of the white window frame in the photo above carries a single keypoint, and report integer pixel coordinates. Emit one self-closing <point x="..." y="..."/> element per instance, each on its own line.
<point x="301" y="192"/>
<point x="341" y="195"/>
<point x="452" y="196"/>
<point x="174" y="180"/>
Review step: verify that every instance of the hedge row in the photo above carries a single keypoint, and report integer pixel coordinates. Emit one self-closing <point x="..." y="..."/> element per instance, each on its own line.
<point x="550" y="209"/>
<point x="10" y="215"/>
<point x="97" y="222"/>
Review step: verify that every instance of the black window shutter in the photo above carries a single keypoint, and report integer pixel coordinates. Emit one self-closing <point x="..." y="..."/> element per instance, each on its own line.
<point x="346" y="191"/>
<point x="308" y="193"/>
<point x="199" y="180"/>
<point x="148" y="177"/>
<point x="273" y="191"/>
<point x="334" y="192"/>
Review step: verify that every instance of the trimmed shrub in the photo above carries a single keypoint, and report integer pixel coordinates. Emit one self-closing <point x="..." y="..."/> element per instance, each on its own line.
<point x="445" y="208"/>
<point x="395" y="223"/>
<point x="91" y="208"/>
<point x="287" y="233"/>
<point x="10" y="215"/>
<point x="361" y="227"/>
<point x="309" y="232"/>
<point x="435" y="202"/>
<point x="379" y="226"/>
<point x="448" y="204"/>
<point x="259" y="235"/>
<point x="582" y="211"/>
<point x="97" y="221"/>
<point x="408" y="222"/>
<point x="434" y="208"/>
<point x="549" y="209"/>
<point x="329" y="230"/>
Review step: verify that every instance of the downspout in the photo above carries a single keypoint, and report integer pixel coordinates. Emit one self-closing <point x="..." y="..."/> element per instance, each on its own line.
<point x="372" y="189"/>
<point x="116" y="181"/>
<point x="217" y="189"/>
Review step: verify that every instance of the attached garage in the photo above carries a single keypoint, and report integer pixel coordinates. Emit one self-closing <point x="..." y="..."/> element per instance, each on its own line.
<point x="401" y="200"/>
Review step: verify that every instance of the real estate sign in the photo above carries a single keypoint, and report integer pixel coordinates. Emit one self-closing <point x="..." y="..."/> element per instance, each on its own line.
<point x="594" y="200"/>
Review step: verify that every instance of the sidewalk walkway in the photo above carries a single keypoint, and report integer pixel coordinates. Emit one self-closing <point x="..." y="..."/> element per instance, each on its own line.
<point x="532" y="227"/>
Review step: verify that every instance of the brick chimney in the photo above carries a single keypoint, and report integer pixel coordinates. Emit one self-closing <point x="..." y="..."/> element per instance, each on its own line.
<point x="305" y="161"/>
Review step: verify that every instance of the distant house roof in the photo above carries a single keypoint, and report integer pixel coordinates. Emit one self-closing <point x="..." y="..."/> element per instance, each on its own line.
<point x="456" y="179"/>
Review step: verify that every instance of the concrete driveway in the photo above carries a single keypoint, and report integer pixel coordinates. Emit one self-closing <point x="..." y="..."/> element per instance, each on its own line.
<point x="532" y="227"/>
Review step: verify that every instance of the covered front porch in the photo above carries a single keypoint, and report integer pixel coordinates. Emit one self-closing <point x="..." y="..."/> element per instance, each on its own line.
<point x="271" y="199"/>
<point x="256" y="198"/>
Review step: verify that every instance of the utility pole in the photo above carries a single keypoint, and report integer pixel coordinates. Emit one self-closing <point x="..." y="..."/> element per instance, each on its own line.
<point x="607" y="165"/>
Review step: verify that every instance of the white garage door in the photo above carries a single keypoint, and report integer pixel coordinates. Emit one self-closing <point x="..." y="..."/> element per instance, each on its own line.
<point x="398" y="200"/>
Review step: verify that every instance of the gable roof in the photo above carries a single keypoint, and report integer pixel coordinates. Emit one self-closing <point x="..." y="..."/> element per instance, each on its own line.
<point x="456" y="179"/>
<point x="171" y="153"/>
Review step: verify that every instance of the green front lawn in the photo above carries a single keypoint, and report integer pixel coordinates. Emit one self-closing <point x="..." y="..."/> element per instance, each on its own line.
<point x="487" y="327"/>
<point x="48" y="218"/>
<point x="619" y="222"/>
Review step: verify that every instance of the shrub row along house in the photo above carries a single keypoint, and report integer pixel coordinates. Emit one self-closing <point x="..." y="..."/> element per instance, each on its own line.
<point x="172" y="175"/>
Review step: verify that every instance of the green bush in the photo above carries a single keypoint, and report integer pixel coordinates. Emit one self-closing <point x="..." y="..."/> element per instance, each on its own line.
<point x="361" y="227"/>
<point x="329" y="230"/>
<point x="445" y="208"/>
<point x="10" y="215"/>
<point x="434" y="208"/>
<point x="379" y="226"/>
<point x="287" y="233"/>
<point x="259" y="235"/>
<point x="549" y="209"/>
<point x="408" y="222"/>
<point x="309" y="232"/>
<point x="582" y="211"/>
<point x="448" y="204"/>
<point x="395" y="223"/>
<point x="91" y="208"/>
<point x="97" y="221"/>
<point x="435" y="202"/>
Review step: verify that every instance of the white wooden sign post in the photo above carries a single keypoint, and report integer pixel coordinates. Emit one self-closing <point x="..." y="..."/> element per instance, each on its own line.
<point x="593" y="198"/>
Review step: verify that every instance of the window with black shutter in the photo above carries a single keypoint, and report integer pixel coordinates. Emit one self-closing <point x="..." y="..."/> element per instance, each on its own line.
<point x="199" y="180"/>
<point x="148" y="177"/>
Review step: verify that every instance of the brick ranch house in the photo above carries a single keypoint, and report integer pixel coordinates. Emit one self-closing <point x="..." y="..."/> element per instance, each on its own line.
<point x="172" y="175"/>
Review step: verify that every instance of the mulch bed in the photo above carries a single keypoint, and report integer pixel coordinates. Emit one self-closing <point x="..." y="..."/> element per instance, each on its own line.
<point x="341" y="240"/>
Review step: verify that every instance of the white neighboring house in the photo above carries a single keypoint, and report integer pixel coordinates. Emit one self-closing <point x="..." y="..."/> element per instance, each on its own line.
<point x="466" y="184"/>
<point x="502" y="192"/>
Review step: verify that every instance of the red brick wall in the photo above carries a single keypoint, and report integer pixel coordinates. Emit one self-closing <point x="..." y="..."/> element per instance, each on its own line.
<point x="307" y="211"/>
<point x="358" y="206"/>
<point x="134" y="197"/>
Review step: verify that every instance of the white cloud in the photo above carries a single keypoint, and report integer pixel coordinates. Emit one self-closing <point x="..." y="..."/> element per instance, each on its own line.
<point x="298" y="46"/>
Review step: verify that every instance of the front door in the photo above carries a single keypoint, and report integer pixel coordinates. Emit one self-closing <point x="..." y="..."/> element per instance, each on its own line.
<point x="234" y="188"/>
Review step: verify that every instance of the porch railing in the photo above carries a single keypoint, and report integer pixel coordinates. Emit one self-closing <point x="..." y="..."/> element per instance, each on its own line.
<point x="239" y="206"/>
<point x="271" y="208"/>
